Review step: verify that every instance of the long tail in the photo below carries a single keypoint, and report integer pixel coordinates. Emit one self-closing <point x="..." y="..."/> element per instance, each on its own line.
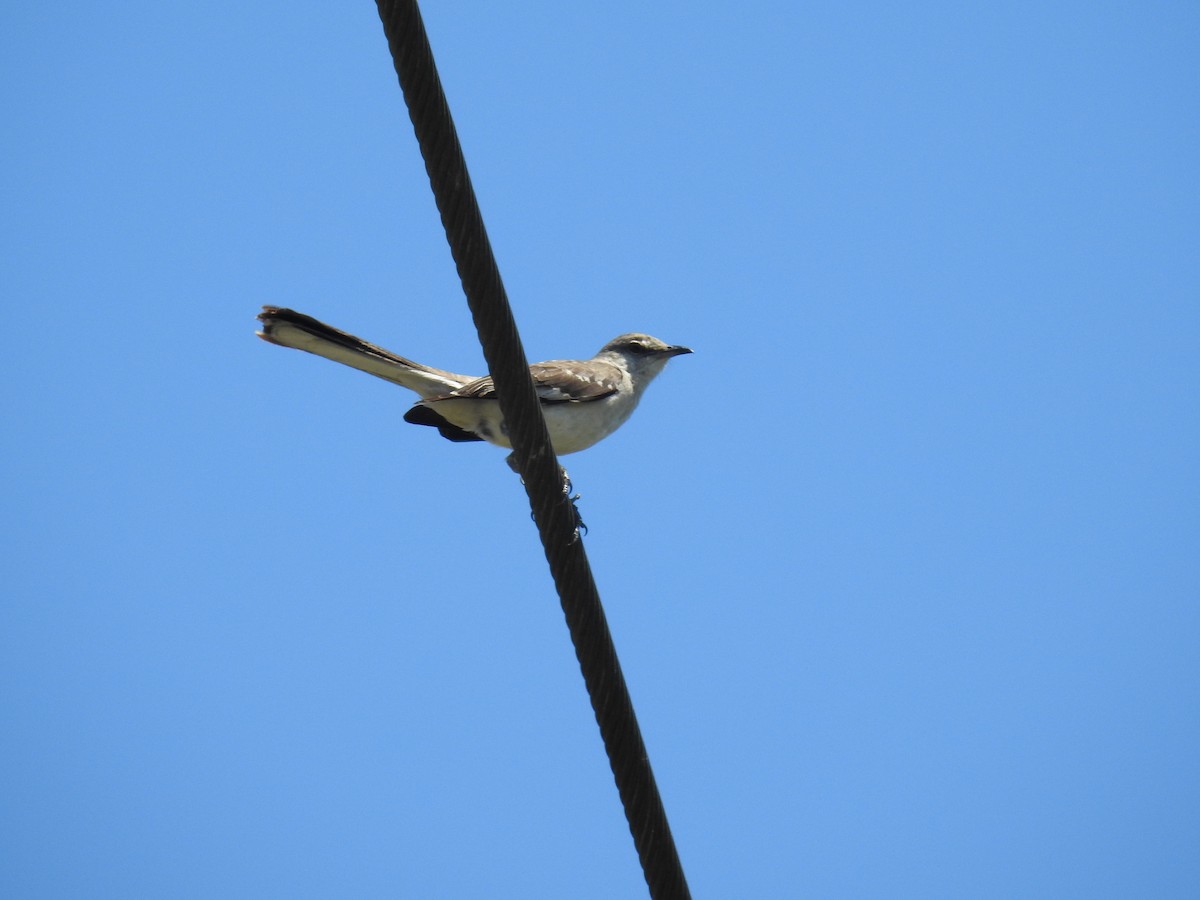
<point x="288" y="328"/>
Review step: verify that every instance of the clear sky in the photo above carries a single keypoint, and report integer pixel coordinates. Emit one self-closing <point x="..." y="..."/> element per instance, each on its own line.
<point x="903" y="563"/>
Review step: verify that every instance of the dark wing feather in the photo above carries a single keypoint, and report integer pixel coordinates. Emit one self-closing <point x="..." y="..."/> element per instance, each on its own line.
<point x="423" y="415"/>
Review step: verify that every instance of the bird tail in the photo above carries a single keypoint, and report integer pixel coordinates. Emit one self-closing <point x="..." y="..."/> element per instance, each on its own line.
<point x="288" y="328"/>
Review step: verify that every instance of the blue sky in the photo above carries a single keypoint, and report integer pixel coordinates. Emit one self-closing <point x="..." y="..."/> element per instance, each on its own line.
<point x="901" y="564"/>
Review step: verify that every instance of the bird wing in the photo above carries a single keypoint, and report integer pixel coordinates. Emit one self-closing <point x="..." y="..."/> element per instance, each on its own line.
<point x="556" y="381"/>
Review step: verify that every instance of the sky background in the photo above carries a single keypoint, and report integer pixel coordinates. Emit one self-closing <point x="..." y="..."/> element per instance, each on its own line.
<point x="903" y="564"/>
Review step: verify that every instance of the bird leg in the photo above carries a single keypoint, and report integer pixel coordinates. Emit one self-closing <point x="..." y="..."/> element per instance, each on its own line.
<point x="574" y="498"/>
<point x="567" y="489"/>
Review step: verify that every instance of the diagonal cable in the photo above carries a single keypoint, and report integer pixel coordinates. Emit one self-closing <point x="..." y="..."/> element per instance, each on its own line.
<point x="535" y="459"/>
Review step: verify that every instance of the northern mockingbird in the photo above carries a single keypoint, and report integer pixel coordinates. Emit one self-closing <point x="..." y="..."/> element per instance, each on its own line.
<point x="583" y="401"/>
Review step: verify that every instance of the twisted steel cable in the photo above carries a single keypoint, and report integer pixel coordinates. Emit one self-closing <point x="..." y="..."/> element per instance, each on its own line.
<point x="535" y="459"/>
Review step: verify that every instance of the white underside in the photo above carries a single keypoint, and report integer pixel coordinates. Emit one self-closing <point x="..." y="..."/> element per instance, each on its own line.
<point x="572" y="426"/>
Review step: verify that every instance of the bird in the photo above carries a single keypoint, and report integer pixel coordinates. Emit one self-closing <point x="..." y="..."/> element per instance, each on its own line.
<point x="583" y="401"/>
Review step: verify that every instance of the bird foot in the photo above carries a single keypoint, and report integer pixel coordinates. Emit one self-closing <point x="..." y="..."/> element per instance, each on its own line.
<point x="574" y="500"/>
<point x="568" y="492"/>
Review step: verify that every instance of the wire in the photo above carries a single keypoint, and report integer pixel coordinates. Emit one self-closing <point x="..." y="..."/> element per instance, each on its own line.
<point x="534" y="457"/>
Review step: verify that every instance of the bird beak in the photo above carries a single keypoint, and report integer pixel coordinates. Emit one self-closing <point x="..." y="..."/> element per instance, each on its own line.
<point x="677" y="350"/>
